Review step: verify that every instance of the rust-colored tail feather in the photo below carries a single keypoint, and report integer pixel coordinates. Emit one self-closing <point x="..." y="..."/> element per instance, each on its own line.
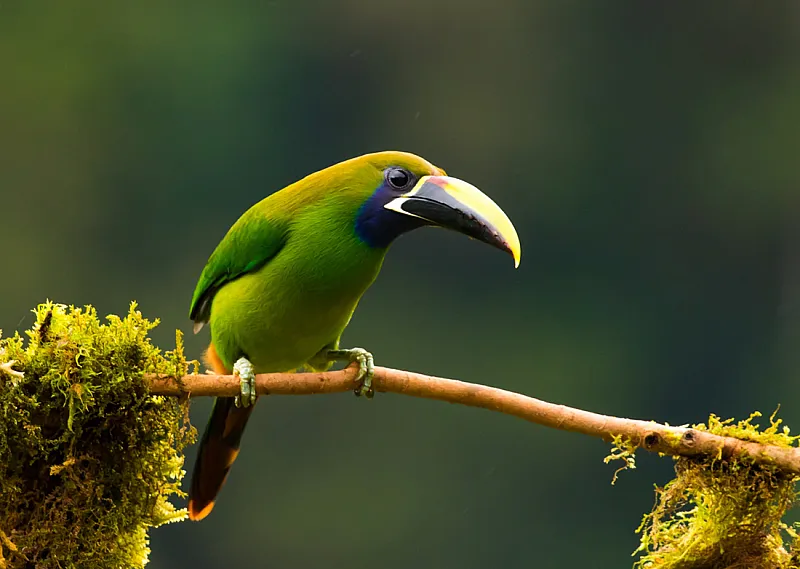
<point x="218" y="447"/>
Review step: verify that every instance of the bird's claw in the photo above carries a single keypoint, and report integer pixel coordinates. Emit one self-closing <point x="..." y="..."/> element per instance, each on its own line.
<point x="247" y="382"/>
<point x="366" y="368"/>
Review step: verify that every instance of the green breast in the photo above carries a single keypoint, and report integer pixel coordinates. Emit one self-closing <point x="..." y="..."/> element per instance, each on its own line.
<point x="281" y="315"/>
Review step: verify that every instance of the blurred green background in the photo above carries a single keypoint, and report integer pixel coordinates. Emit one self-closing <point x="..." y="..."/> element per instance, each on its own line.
<point x="646" y="151"/>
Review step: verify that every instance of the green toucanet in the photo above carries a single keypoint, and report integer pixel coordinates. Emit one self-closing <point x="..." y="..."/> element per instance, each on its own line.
<point x="282" y="285"/>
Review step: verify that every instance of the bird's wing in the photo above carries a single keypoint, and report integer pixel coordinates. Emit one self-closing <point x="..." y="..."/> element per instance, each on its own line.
<point x="252" y="241"/>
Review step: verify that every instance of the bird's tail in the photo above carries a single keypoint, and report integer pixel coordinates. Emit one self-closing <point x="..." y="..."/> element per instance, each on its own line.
<point x="218" y="447"/>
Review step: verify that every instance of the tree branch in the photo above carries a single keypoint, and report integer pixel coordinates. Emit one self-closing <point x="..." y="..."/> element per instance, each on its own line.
<point x="651" y="436"/>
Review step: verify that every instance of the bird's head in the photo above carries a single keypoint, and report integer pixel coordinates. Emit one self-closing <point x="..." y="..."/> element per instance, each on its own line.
<point x="398" y="192"/>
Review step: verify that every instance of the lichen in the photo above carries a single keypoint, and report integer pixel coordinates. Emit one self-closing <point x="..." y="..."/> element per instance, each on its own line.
<point x="88" y="458"/>
<point x="723" y="513"/>
<point x="624" y="449"/>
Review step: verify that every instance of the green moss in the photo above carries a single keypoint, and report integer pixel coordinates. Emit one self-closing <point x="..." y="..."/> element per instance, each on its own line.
<point x="622" y="449"/>
<point x="723" y="514"/>
<point x="88" y="459"/>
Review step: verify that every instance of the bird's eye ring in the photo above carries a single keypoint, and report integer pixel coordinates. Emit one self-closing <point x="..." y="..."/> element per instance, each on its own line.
<point x="398" y="178"/>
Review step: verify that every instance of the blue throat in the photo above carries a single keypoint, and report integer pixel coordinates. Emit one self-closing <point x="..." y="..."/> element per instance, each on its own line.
<point x="378" y="226"/>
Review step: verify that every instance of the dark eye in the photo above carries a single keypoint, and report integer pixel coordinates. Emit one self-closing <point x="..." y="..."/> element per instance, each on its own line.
<point x="398" y="178"/>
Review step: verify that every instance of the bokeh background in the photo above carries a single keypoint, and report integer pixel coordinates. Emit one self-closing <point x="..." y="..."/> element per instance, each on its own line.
<point x="647" y="152"/>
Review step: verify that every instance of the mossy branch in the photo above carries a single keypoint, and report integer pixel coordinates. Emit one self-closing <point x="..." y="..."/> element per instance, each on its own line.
<point x="648" y="435"/>
<point x="96" y="420"/>
<point x="89" y="458"/>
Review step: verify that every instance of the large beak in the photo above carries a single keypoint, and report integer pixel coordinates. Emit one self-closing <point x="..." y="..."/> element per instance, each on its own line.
<point x="455" y="204"/>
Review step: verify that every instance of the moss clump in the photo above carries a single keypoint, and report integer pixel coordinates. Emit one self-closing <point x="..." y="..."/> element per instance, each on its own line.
<point x="723" y="514"/>
<point x="88" y="459"/>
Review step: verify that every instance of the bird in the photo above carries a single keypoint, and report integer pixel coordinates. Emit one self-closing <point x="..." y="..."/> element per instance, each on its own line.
<point x="282" y="285"/>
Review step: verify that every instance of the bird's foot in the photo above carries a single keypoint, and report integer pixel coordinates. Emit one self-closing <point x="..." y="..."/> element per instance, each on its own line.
<point x="366" y="368"/>
<point x="247" y="382"/>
